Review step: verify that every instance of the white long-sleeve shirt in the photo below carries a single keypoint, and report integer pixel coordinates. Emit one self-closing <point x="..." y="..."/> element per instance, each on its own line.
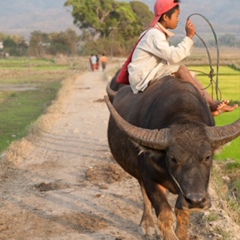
<point x="155" y="58"/>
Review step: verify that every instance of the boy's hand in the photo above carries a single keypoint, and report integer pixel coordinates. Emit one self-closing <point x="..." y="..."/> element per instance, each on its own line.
<point x="190" y="29"/>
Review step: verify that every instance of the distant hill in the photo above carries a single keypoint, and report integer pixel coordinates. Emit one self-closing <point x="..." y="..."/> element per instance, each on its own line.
<point x="23" y="16"/>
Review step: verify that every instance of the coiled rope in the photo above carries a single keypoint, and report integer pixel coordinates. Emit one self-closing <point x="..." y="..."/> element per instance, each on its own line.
<point x="211" y="73"/>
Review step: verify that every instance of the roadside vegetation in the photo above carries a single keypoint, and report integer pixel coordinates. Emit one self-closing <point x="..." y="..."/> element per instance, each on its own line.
<point x="27" y="88"/>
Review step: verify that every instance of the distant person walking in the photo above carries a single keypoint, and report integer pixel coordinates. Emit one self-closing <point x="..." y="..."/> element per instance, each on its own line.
<point x="97" y="63"/>
<point x="104" y="61"/>
<point x="90" y="62"/>
<point x="93" y="60"/>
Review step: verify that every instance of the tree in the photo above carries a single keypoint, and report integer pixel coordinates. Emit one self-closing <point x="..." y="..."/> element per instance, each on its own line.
<point x="37" y="44"/>
<point x="3" y="36"/>
<point x="10" y="46"/>
<point x="91" y="15"/>
<point x="72" y="40"/>
<point x="14" y="45"/>
<point x="101" y="18"/>
<point x="42" y="44"/>
<point x="229" y="40"/>
<point x="144" y="15"/>
<point x="63" y="42"/>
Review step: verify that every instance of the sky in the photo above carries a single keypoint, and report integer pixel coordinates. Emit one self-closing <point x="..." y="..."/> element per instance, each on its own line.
<point x="26" y="16"/>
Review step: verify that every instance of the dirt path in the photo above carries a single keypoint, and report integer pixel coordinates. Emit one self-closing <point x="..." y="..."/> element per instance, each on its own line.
<point x="61" y="183"/>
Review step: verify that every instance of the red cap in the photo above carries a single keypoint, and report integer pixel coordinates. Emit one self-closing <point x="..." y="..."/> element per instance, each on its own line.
<point x="160" y="7"/>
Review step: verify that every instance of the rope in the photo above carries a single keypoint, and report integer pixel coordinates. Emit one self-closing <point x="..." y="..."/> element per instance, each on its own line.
<point x="211" y="73"/>
<point x="173" y="178"/>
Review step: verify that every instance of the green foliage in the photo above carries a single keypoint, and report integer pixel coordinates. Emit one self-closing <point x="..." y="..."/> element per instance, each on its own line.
<point x="101" y="18"/>
<point x="91" y="14"/>
<point x="3" y="36"/>
<point x="232" y="165"/>
<point x="143" y="15"/>
<point x="9" y="43"/>
<point x="42" y="44"/>
<point x="37" y="40"/>
<point x="109" y="26"/>
<point x="235" y="67"/>
<point x="229" y="40"/>
<point x="212" y="217"/>
<point x="15" y="47"/>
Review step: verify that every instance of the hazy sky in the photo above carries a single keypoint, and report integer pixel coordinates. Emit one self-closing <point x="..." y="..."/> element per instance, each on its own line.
<point x="25" y="16"/>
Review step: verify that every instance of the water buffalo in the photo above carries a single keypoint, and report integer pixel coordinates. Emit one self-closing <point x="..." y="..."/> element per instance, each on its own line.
<point x="165" y="137"/>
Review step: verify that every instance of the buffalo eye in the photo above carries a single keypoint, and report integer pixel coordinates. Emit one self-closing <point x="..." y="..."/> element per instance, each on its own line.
<point x="173" y="160"/>
<point x="207" y="159"/>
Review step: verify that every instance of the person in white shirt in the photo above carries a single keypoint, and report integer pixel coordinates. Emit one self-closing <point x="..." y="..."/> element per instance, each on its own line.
<point x="93" y="60"/>
<point x="153" y="57"/>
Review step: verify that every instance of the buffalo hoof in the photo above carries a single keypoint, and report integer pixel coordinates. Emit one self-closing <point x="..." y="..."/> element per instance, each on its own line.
<point x="147" y="231"/>
<point x="170" y="235"/>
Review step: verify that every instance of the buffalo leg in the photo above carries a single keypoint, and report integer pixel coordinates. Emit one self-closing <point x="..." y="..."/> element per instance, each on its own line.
<point x="147" y="223"/>
<point x="183" y="217"/>
<point x="166" y="223"/>
<point x="165" y="216"/>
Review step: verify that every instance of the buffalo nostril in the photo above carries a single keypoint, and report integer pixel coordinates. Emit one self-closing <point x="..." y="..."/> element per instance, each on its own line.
<point x="195" y="199"/>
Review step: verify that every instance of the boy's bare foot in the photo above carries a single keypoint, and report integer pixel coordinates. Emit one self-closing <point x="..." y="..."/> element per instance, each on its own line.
<point x="222" y="107"/>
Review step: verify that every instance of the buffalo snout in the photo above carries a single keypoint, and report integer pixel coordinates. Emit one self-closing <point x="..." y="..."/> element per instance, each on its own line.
<point x="194" y="201"/>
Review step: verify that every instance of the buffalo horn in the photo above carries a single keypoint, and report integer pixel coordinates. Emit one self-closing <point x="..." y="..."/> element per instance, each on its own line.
<point x="224" y="134"/>
<point x="156" y="139"/>
<point x="111" y="93"/>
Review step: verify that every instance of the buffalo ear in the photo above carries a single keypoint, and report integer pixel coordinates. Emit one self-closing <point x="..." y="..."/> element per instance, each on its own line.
<point x="145" y="150"/>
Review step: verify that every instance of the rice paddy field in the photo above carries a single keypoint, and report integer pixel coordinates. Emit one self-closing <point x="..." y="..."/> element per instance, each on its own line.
<point x="27" y="87"/>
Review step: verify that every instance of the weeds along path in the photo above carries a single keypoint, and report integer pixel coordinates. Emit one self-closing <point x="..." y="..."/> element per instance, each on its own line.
<point x="61" y="183"/>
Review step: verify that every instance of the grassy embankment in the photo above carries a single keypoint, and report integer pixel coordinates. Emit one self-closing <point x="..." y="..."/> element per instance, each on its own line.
<point x="27" y="87"/>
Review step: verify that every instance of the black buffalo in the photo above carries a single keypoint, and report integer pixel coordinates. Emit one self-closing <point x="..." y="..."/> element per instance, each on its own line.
<point x="165" y="137"/>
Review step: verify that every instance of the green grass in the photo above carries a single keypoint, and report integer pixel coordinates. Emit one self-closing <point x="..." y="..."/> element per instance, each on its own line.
<point x="34" y="64"/>
<point x="228" y="81"/>
<point x="229" y="84"/>
<point x="19" y="109"/>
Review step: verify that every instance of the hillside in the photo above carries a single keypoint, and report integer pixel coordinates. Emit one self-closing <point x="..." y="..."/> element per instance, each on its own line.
<point x="23" y="16"/>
